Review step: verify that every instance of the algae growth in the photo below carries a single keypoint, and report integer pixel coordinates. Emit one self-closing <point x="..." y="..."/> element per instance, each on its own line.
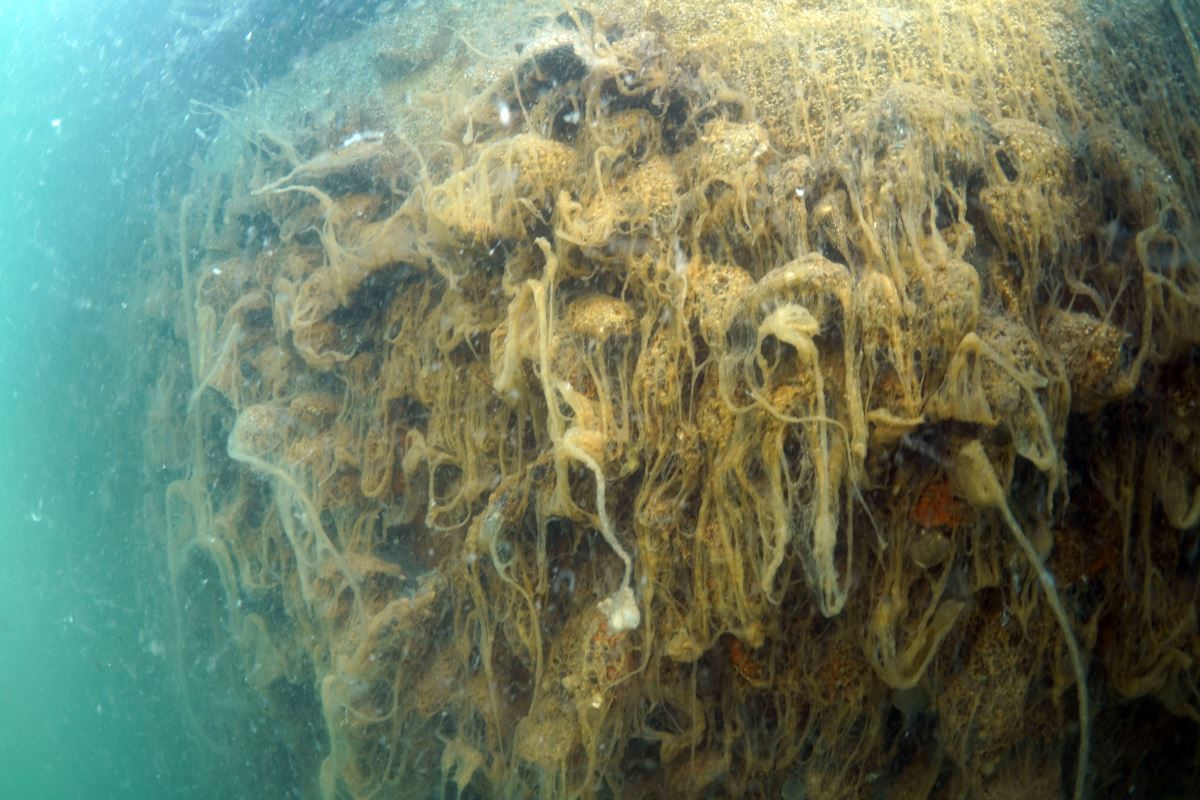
<point x="748" y="399"/>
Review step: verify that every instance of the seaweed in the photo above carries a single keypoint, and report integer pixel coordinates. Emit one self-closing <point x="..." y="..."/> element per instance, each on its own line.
<point x="757" y="402"/>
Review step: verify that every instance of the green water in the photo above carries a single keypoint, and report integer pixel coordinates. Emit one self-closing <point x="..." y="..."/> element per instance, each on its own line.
<point x="88" y="703"/>
<point x="97" y="697"/>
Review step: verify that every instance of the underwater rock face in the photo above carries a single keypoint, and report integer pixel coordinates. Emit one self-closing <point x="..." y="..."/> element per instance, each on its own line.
<point x="746" y="398"/>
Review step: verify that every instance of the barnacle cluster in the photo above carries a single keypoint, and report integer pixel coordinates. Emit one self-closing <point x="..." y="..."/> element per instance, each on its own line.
<point x="782" y="398"/>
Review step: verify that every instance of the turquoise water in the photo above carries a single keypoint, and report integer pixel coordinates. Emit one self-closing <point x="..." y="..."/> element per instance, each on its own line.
<point x="86" y="704"/>
<point x="93" y="123"/>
